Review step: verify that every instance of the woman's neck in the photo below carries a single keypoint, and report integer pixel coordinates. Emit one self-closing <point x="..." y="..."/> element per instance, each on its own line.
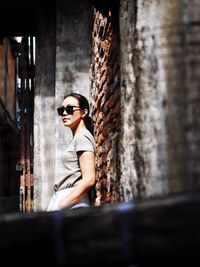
<point x="79" y="127"/>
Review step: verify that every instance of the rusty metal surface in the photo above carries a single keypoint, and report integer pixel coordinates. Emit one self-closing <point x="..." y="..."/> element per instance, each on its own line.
<point x="25" y="126"/>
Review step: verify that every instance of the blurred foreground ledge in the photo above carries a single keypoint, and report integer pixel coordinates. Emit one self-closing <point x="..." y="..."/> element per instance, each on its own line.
<point x="155" y="232"/>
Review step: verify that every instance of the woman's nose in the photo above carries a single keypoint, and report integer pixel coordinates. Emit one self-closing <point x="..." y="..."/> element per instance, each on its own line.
<point x="64" y="112"/>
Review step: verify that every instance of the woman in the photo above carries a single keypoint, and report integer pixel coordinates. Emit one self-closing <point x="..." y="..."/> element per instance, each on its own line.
<point x="79" y="160"/>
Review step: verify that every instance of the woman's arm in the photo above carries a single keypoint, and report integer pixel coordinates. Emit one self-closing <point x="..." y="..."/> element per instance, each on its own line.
<point x="87" y="166"/>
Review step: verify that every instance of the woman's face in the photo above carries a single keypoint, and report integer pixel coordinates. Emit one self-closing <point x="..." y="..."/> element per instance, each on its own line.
<point x="71" y="120"/>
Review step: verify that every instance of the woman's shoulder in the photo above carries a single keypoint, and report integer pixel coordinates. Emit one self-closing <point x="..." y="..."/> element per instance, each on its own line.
<point x="84" y="137"/>
<point x="84" y="132"/>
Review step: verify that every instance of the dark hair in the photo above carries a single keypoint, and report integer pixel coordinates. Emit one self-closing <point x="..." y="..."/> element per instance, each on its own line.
<point x="83" y="103"/>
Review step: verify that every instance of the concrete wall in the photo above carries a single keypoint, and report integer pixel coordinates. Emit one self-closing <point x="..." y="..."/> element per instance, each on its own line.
<point x="44" y="108"/>
<point x="143" y="89"/>
<point x="181" y="54"/>
<point x="62" y="66"/>
<point x="159" y="95"/>
<point x="129" y="176"/>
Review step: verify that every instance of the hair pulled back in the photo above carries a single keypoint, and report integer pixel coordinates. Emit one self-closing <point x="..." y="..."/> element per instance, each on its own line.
<point x="83" y="103"/>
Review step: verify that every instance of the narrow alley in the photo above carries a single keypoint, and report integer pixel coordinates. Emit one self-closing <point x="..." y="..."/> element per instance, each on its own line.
<point x="137" y="63"/>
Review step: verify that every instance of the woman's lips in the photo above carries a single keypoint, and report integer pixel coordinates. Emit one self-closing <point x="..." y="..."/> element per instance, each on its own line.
<point x="65" y="119"/>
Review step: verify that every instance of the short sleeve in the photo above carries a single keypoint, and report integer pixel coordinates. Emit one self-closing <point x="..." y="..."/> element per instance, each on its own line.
<point x="83" y="143"/>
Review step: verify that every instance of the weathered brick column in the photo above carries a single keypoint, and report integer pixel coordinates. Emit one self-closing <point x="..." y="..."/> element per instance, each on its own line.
<point x="106" y="104"/>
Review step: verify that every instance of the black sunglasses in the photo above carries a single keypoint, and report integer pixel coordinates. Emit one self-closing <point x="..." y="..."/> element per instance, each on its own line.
<point x="69" y="110"/>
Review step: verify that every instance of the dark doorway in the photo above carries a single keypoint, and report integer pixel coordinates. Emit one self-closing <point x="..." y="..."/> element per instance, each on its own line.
<point x="17" y="73"/>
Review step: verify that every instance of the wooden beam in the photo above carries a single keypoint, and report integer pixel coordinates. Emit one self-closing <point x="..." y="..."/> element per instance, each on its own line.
<point x="156" y="231"/>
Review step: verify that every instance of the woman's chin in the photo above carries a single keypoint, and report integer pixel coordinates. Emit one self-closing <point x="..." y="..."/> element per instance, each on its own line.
<point x="66" y="123"/>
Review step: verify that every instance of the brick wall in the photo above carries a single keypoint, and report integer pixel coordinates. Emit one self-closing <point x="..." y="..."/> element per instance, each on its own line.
<point x="106" y="104"/>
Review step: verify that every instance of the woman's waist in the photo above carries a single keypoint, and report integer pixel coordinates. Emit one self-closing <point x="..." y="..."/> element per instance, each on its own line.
<point x="67" y="182"/>
<point x="60" y="194"/>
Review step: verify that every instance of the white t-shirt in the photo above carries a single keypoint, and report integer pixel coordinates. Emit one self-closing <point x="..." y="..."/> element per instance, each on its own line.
<point x="82" y="141"/>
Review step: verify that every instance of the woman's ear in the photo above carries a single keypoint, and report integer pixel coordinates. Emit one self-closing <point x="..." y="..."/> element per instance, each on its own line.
<point x="84" y="113"/>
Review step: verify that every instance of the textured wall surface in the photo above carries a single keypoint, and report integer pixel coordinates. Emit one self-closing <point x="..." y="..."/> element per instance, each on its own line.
<point x="180" y="53"/>
<point x="159" y="89"/>
<point x="106" y="105"/>
<point x="128" y="146"/>
<point x="150" y="100"/>
<point x="44" y="110"/>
